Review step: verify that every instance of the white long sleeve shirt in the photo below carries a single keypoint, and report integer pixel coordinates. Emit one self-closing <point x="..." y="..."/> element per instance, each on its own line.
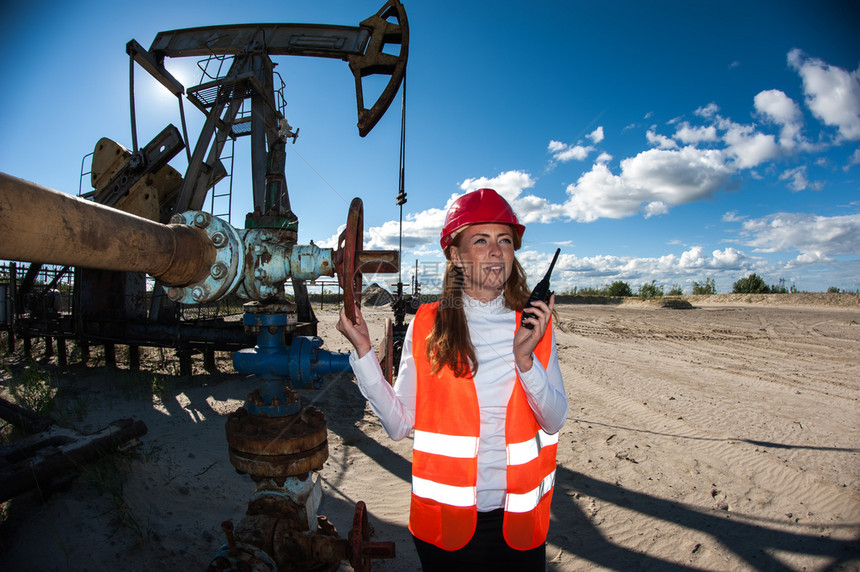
<point x="491" y="327"/>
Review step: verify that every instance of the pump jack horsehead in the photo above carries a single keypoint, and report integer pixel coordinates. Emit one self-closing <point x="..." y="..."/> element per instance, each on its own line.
<point x="146" y="217"/>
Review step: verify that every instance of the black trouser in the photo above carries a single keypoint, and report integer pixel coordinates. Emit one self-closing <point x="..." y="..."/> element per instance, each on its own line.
<point x="486" y="551"/>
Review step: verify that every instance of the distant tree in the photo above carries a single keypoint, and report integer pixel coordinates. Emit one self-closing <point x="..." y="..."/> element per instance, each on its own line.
<point x="592" y="291"/>
<point x="833" y="290"/>
<point x="650" y="290"/>
<point x="619" y="288"/>
<point x="707" y="287"/>
<point x="676" y="290"/>
<point x="752" y="284"/>
<point x="779" y="289"/>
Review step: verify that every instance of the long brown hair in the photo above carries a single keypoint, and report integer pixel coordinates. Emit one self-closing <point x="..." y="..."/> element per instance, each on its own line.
<point x="449" y="343"/>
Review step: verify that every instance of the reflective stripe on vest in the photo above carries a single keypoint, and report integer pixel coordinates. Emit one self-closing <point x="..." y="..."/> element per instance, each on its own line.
<point x="446" y="494"/>
<point x="464" y="447"/>
<point x="529" y="501"/>
<point x="522" y="453"/>
<point x="444" y="462"/>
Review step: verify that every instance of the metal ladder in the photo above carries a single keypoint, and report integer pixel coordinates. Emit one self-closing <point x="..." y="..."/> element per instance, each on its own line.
<point x="224" y="203"/>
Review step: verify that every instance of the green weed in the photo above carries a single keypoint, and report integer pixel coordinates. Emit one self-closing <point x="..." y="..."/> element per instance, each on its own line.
<point x="33" y="388"/>
<point x="107" y="477"/>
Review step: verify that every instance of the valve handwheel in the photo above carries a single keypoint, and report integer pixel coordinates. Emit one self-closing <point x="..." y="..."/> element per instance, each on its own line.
<point x="386" y="352"/>
<point x="361" y="550"/>
<point x="359" y="534"/>
<point x="349" y="244"/>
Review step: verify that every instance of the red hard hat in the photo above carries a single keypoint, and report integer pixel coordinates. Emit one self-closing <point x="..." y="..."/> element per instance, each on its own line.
<point x="481" y="206"/>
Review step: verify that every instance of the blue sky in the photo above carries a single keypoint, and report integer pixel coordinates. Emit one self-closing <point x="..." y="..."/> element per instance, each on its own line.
<point x="667" y="141"/>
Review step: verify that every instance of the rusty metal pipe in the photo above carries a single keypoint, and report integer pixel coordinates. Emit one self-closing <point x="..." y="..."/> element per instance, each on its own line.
<point x="38" y="224"/>
<point x="373" y="261"/>
<point x="51" y="464"/>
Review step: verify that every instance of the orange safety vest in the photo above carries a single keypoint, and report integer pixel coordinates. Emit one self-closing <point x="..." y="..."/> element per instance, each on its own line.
<point x="445" y="454"/>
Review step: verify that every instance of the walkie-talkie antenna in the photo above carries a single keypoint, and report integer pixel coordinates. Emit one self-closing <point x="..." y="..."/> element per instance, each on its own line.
<point x="541" y="292"/>
<point x="552" y="265"/>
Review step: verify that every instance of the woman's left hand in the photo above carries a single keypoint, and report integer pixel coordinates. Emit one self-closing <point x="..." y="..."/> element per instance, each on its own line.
<point x="526" y="340"/>
<point x="356" y="332"/>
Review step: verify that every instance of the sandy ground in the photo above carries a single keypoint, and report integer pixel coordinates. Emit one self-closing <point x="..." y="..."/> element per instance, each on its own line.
<point x="726" y="437"/>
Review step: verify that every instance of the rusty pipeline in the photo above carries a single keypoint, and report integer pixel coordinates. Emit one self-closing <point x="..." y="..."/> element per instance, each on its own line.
<point x="200" y="257"/>
<point x="38" y="224"/>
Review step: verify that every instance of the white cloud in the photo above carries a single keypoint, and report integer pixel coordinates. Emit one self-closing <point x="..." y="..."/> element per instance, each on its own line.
<point x="603" y="158"/>
<point x="728" y="258"/>
<point x="596" y="136"/>
<point x="853" y="160"/>
<point x="708" y="111"/>
<point x="808" y="258"/>
<point x="677" y="177"/>
<point x="749" y="148"/>
<point x="331" y="242"/>
<point x="693" y="258"/>
<point x="509" y="184"/>
<point x="799" y="180"/>
<point x="600" y="194"/>
<point x="660" y="141"/>
<point x="810" y="235"/>
<point x="782" y="110"/>
<point x="419" y="229"/>
<point x="693" y="264"/>
<point x="577" y="152"/>
<point x="651" y="182"/>
<point x="564" y="152"/>
<point x="655" y="208"/>
<point x="532" y="208"/>
<point x="832" y="94"/>
<point x="690" y="135"/>
<point x="777" y="106"/>
<point x="732" y="216"/>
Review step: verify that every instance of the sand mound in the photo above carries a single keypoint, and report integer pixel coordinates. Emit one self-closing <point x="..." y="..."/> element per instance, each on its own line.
<point x="840" y="300"/>
<point x="376" y="295"/>
<point x="676" y="304"/>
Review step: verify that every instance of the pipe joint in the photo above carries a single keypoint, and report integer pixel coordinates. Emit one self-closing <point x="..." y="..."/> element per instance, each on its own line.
<point x="218" y="261"/>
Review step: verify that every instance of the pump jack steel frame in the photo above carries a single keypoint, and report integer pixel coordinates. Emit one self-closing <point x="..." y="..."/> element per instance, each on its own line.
<point x="128" y="318"/>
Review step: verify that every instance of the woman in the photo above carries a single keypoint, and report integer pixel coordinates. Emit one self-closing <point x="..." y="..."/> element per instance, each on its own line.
<point x="484" y="396"/>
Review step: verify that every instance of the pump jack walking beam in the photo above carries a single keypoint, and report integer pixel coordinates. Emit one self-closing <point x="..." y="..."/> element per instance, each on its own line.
<point x="361" y="46"/>
<point x="365" y="48"/>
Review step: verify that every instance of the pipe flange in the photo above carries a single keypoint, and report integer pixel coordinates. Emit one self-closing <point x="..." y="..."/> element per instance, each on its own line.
<point x="264" y="315"/>
<point x="277" y="447"/>
<point x="225" y="273"/>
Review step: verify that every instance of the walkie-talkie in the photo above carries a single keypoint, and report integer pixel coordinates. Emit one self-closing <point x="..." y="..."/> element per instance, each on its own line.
<point x="541" y="292"/>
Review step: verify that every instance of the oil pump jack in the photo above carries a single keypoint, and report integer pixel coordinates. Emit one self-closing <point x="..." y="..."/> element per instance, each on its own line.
<point x="145" y="217"/>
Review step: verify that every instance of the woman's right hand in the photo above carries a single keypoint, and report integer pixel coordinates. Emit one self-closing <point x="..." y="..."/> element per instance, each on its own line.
<point x="357" y="333"/>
